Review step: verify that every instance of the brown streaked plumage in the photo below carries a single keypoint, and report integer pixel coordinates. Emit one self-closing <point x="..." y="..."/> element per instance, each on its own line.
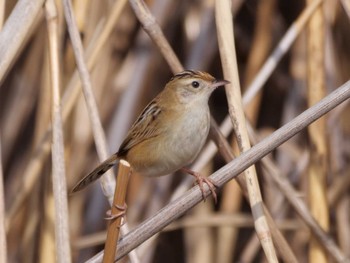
<point x="170" y="131"/>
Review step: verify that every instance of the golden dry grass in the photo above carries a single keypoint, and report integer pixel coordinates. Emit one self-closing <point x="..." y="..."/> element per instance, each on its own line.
<point x="128" y="68"/>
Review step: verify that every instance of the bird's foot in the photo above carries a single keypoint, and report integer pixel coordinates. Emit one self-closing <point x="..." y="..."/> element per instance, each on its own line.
<point x="121" y="213"/>
<point x="200" y="181"/>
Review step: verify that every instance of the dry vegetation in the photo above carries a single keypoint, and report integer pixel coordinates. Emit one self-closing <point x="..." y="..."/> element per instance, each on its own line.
<point x="288" y="58"/>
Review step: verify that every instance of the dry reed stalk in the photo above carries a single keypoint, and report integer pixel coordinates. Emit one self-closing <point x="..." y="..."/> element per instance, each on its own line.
<point x="281" y="243"/>
<point x="94" y="54"/>
<point x="231" y="197"/>
<point x="69" y="99"/>
<point x="16" y="31"/>
<point x="2" y="13"/>
<point x="318" y="167"/>
<point x="317" y="171"/>
<point x="192" y="197"/>
<point x="80" y="8"/>
<point x="301" y="208"/>
<point x="227" y="50"/>
<point x="81" y="141"/>
<point x="118" y="207"/>
<point x="46" y="212"/>
<point x="93" y="50"/>
<point x="156" y="34"/>
<point x="107" y="180"/>
<point x="63" y="253"/>
<point x="47" y="247"/>
<point x="3" y="245"/>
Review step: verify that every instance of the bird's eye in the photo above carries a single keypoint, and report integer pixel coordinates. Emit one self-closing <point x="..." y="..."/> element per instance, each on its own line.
<point x="195" y="84"/>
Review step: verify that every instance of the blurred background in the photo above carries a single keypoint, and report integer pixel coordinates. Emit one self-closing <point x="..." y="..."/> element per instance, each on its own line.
<point x="126" y="73"/>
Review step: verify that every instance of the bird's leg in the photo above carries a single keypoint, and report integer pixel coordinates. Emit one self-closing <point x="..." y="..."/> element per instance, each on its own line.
<point x="200" y="180"/>
<point x="122" y="213"/>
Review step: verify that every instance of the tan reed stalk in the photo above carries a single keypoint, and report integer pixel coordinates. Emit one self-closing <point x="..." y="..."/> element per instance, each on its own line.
<point x="16" y="31"/>
<point x="281" y="244"/>
<point x="69" y="99"/>
<point x="119" y="201"/>
<point x="225" y="31"/>
<point x="108" y="180"/>
<point x="300" y="207"/>
<point x="156" y="34"/>
<point x="318" y="166"/>
<point x="231" y="197"/>
<point x="3" y="244"/>
<point x="63" y="253"/>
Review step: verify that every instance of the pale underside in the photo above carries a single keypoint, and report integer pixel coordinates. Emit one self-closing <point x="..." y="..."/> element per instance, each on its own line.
<point x="173" y="150"/>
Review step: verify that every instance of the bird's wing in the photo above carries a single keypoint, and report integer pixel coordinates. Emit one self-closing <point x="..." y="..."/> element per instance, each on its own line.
<point x="145" y="127"/>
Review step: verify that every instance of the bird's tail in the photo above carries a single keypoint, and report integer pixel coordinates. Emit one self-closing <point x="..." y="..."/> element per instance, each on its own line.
<point x="96" y="173"/>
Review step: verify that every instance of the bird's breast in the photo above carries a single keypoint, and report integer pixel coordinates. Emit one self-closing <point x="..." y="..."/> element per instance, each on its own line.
<point x="190" y="135"/>
<point x="175" y="148"/>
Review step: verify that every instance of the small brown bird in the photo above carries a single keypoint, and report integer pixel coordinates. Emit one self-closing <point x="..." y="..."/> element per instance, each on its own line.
<point x="170" y="131"/>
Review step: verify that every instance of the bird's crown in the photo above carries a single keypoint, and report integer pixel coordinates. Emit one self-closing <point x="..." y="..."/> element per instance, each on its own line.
<point x="193" y="74"/>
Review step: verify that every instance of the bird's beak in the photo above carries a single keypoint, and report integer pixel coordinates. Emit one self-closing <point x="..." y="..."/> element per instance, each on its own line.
<point x="219" y="82"/>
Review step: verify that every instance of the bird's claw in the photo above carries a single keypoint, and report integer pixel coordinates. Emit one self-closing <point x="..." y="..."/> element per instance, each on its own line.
<point x="200" y="180"/>
<point x="121" y="213"/>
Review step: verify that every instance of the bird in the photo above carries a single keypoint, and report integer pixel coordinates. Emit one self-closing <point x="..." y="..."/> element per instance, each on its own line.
<point x="170" y="131"/>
